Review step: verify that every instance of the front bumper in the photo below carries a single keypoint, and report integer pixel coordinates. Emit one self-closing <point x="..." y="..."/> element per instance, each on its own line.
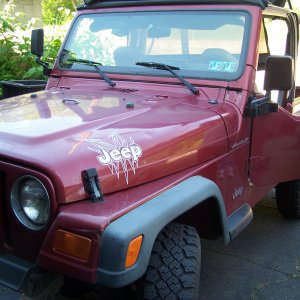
<point x="20" y="279"/>
<point x="9" y="294"/>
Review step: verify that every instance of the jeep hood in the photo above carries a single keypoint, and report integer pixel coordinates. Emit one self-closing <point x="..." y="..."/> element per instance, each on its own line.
<point x="130" y="136"/>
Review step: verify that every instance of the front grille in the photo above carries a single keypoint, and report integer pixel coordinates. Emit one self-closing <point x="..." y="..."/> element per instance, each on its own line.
<point x="4" y="227"/>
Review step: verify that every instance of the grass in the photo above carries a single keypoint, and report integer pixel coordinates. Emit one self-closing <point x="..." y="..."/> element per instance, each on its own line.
<point x="262" y="285"/>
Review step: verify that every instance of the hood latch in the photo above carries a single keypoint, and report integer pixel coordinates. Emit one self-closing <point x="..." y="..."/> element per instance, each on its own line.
<point x="91" y="184"/>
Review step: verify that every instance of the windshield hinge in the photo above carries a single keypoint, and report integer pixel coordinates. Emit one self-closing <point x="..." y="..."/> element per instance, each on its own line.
<point x="260" y="106"/>
<point x="91" y="184"/>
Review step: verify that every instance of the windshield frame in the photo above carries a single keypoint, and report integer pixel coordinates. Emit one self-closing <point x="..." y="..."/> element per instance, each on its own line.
<point x="133" y="70"/>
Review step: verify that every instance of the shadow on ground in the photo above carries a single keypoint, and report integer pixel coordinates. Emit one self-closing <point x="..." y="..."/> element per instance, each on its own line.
<point x="262" y="263"/>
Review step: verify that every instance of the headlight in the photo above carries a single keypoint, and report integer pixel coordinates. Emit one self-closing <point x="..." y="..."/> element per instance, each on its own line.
<point x="30" y="202"/>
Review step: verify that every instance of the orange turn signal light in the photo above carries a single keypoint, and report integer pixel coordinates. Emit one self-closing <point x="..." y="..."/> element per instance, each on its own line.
<point x="72" y="244"/>
<point x="133" y="251"/>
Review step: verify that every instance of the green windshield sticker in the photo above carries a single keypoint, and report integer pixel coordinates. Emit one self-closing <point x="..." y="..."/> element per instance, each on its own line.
<point x="222" y="66"/>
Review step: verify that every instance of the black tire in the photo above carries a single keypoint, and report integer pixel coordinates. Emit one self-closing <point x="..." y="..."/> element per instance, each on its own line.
<point x="288" y="199"/>
<point x="174" y="267"/>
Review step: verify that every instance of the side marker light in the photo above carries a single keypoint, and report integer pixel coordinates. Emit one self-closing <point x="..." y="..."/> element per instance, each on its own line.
<point x="72" y="244"/>
<point x="133" y="251"/>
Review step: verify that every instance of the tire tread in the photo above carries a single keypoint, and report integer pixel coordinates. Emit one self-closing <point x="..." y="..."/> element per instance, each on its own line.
<point x="288" y="199"/>
<point x="174" y="267"/>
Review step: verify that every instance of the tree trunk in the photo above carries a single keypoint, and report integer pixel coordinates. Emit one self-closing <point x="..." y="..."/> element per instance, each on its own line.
<point x="74" y="4"/>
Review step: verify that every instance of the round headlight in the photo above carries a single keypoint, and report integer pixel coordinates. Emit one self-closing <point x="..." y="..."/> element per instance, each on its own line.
<point x="30" y="202"/>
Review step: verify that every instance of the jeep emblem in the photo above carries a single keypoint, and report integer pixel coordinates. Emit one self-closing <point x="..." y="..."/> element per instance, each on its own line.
<point x="132" y="152"/>
<point x="119" y="155"/>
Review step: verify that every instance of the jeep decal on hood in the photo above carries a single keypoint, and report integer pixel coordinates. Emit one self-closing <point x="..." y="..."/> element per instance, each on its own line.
<point x="119" y="155"/>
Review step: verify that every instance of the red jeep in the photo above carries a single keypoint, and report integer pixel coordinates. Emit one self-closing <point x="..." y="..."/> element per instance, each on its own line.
<point x="162" y="121"/>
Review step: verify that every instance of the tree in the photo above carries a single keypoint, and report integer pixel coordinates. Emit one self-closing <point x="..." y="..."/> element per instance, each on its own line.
<point x="56" y="12"/>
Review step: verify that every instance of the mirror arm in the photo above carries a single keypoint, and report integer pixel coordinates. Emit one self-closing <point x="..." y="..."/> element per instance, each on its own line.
<point x="46" y="69"/>
<point x="268" y="95"/>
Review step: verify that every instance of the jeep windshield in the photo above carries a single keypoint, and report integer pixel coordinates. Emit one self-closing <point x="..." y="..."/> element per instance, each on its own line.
<point x="201" y="44"/>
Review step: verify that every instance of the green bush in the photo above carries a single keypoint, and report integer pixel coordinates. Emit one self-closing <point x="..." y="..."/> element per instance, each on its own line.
<point x="14" y="46"/>
<point x="57" y="12"/>
<point x="16" y="60"/>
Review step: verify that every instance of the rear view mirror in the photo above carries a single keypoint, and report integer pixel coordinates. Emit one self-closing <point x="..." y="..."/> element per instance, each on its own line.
<point x="279" y="74"/>
<point x="120" y="32"/>
<point x="37" y="42"/>
<point x="159" y="32"/>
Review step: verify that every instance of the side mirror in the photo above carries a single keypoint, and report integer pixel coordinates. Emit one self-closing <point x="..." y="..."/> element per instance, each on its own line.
<point x="279" y="74"/>
<point x="280" y="3"/>
<point x="37" y="42"/>
<point x="37" y="48"/>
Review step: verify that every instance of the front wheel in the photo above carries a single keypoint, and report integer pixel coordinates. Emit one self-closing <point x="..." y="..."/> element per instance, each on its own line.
<point x="288" y="199"/>
<point x="174" y="267"/>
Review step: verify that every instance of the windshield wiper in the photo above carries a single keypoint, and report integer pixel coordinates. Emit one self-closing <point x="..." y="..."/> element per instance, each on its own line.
<point x="95" y="65"/>
<point x="160" y="66"/>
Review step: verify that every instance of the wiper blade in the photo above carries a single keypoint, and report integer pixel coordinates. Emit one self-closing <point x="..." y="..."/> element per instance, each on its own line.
<point x="83" y="61"/>
<point x="154" y="65"/>
<point x="160" y="66"/>
<point x="95" y="65"/>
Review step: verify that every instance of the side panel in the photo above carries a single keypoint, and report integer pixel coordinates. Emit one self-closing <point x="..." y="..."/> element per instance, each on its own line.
<point x="238" y="130"/>
<point x="275" y="153"/>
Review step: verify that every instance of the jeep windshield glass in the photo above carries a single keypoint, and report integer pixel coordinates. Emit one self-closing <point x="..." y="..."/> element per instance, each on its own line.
<point x="202" y="44"/>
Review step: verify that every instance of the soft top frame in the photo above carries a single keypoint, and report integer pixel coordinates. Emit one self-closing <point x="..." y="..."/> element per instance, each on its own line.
<point x="111" y="3"/>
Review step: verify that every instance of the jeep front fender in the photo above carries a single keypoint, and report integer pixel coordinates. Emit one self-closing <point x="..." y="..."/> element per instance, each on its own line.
<point x="148" y="220"/>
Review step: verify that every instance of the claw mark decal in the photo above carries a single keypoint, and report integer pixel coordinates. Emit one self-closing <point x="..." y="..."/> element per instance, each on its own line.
<point x="120" y="155"/>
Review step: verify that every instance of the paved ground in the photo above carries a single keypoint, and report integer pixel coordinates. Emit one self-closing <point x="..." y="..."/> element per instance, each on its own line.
<point x="262" y="263"/>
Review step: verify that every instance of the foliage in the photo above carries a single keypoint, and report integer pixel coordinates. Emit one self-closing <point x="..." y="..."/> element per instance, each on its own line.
<point x="14" y="49"/>
<point x="16" y="60"/>
<point x="57" y="12"/>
